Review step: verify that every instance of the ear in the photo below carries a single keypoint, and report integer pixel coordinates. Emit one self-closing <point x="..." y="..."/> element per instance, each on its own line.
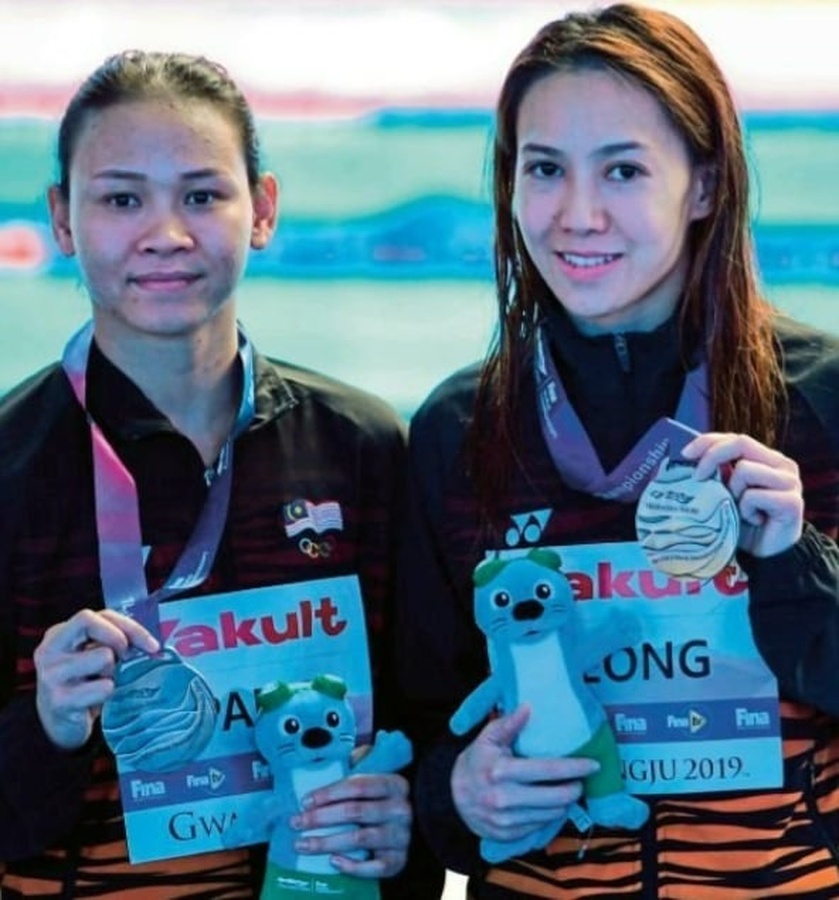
<point x="548" y="559"/>
<point x="486" y="570"/>
<point x="60" y="220"/>
<point x="331" y="685"/>
<point x="266" y="208"/>
<point x="272" y="695"/>
<point x="703" y="191"/>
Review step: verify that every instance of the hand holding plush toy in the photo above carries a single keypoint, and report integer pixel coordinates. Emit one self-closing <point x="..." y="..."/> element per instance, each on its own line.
<point x="306" y="731"/>
<point x="538" y="655"/>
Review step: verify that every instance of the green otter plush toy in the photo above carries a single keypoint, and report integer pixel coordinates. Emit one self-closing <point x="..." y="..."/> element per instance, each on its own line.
<point x="538" y="655"/>
<point x="306" y="731"/>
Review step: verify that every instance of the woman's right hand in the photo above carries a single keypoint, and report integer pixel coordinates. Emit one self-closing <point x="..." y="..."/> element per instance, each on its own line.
<point x="74" y="666"/>
<point x="504" y="797"/>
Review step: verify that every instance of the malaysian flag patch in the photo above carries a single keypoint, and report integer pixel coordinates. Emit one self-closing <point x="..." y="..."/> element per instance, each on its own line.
<point x="303" y="515"/>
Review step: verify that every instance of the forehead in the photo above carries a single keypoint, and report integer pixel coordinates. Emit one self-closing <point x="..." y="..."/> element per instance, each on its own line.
<point x="191" y="133"/>
<point x="592" y="106"/>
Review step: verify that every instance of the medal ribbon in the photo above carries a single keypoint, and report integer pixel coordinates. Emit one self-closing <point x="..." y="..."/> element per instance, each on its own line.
<point x="570" y="446"/>
<point x="118" y="510"/>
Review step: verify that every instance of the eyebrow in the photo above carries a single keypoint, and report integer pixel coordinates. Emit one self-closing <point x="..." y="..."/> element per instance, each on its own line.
<point x="129" y="175"/>
<point x="607" y="150"/>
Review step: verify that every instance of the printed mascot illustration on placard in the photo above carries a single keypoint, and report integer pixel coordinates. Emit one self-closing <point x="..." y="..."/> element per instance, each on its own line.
<point x="538" y="655"/>
<point x="306" y="732"/>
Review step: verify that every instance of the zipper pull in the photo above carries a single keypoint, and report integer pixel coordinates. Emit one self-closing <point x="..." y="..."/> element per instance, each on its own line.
<point x="622" y="351"/>
<point x="583" y="823"/>
<point x="585" y="842"/>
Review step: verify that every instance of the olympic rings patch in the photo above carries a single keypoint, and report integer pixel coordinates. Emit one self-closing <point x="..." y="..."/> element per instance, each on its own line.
<point x="316" y="549"/>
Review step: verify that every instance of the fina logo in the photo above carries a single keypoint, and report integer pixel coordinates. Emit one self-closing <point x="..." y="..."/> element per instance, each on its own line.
<point x="213" y="780"/>
<point x="527" y="528"/>
<point x="693" y="721"/>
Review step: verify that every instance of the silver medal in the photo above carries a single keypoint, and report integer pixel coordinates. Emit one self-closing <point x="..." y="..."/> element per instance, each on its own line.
<point x="161" y="715"/>
<point x="686" y="527"/>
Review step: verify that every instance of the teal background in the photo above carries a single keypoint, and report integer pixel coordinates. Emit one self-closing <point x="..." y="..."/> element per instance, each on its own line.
<point x="380" y="271"/>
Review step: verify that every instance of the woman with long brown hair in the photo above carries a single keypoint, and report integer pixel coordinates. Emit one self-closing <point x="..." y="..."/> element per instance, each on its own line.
<point x="637" y="370"/>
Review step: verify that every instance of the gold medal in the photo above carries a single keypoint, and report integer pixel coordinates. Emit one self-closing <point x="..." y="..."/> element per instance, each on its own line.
<point x="161" y="715"/>
<point x="686" y="527"/>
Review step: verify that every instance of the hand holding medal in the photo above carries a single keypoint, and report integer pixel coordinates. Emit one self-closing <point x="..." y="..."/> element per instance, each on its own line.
<point x="690" y="523"/>
<point x="75" y="665"/>
<point x="765" y="484"/>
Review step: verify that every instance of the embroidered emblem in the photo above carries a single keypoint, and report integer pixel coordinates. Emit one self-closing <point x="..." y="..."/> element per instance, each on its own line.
<point x="527" y="527"/>
<point x="303" y="515"/>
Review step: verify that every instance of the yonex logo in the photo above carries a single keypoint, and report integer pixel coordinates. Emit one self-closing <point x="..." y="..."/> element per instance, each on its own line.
<point x="527" y="527"/>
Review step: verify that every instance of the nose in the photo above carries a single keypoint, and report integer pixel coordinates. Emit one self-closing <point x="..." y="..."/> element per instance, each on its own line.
<point x="315" y="738"/>
<point x="581" y="207"/>
<point x="528" y="609"/>
<point x="166" y="231"/>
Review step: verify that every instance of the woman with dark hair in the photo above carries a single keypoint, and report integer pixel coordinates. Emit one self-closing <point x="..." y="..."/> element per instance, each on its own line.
<point x="634" y="348"/>
<point x="164" y="464"/>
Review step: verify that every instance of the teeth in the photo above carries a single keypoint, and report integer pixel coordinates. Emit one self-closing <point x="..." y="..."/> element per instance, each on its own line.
<point x="588" y="262"/>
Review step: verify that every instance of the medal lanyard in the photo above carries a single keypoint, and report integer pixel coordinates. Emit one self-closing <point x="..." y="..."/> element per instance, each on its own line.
<point x="570" y="446"/>
<point x="118" y="510"/>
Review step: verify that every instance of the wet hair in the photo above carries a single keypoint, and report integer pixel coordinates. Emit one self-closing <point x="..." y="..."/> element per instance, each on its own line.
<point x="136" y="75"/>
<point x="721" y="307"/>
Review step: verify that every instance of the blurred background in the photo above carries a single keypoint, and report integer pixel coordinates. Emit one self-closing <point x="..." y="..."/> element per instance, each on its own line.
<point x="376" y="116"/>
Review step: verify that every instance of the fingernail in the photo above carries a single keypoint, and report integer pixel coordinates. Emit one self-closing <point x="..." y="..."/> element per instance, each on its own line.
<point x="296" y="822"/>
<point x="301" y="846"/>
<point x="307" y="802"/>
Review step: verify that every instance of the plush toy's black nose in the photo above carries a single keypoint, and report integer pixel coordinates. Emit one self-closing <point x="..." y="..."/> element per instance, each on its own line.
<point x="316" y="737"/>
<point x="528" y="609"/>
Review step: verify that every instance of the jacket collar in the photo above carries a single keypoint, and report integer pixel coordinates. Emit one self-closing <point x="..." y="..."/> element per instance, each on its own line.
<point x="123" y="411"/>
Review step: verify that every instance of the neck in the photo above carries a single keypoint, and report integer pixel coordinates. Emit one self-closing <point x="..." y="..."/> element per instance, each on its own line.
<point x="194" y="380"/>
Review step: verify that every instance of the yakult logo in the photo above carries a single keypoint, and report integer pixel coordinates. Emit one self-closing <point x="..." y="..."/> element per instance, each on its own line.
<point x="232" y="631"/>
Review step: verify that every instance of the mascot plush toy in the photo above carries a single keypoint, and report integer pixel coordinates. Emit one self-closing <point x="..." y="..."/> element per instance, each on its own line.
<point x="306" y="732"/>
<point x="538" y="655"/>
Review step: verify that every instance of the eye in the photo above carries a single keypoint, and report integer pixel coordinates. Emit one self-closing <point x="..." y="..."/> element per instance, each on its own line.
<point x="624" y="172"/>
<point x="122" y="200"/>
<point x="202" y="197"/>
<point x="543" y="591"/>
<point x="333" y="720"/>
<point x="291" y="725"/>
<point x="501" y="599"/>
<point x="543" y="169"/>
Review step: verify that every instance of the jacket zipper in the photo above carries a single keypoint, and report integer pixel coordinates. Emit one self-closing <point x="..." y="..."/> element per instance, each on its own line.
<point x="622" y="352"/>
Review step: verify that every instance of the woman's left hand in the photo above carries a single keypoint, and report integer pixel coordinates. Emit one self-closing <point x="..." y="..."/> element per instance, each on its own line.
<point x="378" y="805"/>
<point x="765" y="484"/>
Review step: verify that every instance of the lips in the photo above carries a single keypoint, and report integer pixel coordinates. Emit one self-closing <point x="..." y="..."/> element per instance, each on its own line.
<point x="163" y="281"/>
<point x="588" y="260"/>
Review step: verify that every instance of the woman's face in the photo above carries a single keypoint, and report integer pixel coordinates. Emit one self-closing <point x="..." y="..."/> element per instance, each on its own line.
<point x="160" y="215"/>
<point x="604" y="194"/>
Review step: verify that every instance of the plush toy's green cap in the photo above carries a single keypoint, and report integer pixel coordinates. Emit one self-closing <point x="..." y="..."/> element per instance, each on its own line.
<point x="488" y="569"/>
<point x="274" y="694"/>
<point x="331" y="685"/>
<point x="549" y="559"/>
